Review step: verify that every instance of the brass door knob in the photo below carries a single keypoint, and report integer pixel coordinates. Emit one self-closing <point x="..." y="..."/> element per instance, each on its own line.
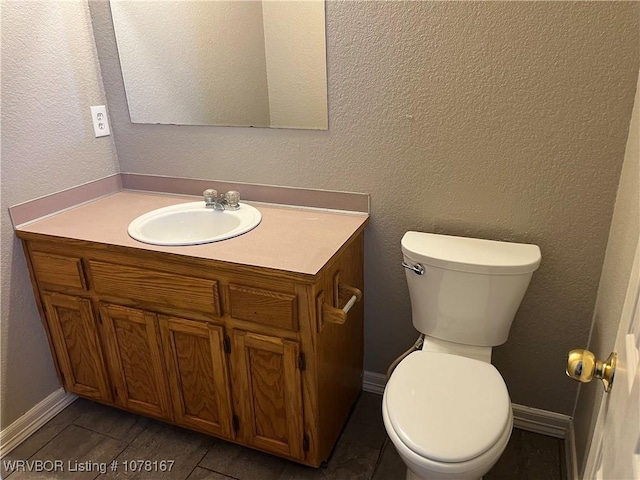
<point x="583" y="366"/>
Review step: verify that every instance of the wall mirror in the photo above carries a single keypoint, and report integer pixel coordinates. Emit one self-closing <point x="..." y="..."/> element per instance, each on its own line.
<point x="258" y="63"/>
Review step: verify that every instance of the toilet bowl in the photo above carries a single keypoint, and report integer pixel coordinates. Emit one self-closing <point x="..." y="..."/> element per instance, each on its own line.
<point x="448" y="416"/>
<point x="445" y="407"/>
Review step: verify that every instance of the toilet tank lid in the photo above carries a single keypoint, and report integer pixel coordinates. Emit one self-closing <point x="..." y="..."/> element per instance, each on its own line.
<point x="471" y="254"/>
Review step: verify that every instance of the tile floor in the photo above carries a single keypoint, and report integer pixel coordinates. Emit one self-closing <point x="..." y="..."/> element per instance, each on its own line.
<point x="88" y="432"/>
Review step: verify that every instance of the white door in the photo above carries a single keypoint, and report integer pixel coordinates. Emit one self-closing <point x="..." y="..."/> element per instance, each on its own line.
<point x="615" y="451"/>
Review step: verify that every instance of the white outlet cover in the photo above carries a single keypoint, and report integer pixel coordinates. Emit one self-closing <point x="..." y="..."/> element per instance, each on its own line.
<point x="100" y="121"/>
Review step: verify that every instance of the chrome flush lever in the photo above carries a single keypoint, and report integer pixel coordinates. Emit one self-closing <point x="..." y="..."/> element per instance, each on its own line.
<point x="417" y="268"/>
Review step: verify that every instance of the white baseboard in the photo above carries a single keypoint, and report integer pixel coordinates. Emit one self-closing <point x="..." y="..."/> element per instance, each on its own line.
<point x="525" y="418"/>
<point x="27" y="424"/>
<point x="374" y="382"/>
<point x="541" y="421"/>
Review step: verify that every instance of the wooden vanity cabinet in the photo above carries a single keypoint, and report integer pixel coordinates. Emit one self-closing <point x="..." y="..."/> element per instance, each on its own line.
<point x="73" y="331"/>
<point x="134" y="354"/>
<point x="195" y="355"/>
<point x="263" y="358"/>
<point x="268" y="389"/>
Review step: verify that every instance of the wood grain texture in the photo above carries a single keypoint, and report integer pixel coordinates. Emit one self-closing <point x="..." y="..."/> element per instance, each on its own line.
<point x="263" y="306"/>
<point x="133" y="348"/>
<point x="314" y="456"/>
<point x="198" y="375"/>
<point x="341" y="295"/>
<point x="156" y="287"/>
<point x="162" y="261"/>
<point x="56" y="271"/>
<point x="26" y="248"/>
<point x="340" y="349"/>
<point x="164" y="322"/>
<point x="270" y="393"/>
<point x="73" y="329"/>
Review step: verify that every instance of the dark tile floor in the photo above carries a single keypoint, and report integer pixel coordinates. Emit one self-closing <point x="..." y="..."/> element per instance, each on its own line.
<point x="87" y="436"/>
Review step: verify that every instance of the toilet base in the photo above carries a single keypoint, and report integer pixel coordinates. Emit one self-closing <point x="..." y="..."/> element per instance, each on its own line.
<point x="413" y="476"/>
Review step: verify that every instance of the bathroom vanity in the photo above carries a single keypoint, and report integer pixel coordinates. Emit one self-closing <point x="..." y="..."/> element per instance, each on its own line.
<point x="244" y="339"/>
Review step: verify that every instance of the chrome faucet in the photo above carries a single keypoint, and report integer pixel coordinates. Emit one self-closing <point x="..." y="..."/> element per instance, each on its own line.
<point x="228" y="201"/>
<point x="213" y="200"/>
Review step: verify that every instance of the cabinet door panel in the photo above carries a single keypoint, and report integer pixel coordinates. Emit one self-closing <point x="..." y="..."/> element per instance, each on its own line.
<point x="198" y="375"/>
<point x="270" y="393"/>
<point x="133" y="348"/>
<point x="74" y="335"/>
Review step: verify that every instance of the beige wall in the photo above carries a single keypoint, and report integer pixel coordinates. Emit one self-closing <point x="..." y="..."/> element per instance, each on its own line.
<point x="501" y="120"/>
<point x="50" y="77"/>
<point x="614" y="282"/>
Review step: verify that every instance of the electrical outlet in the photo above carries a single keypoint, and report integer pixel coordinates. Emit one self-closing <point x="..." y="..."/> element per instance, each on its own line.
<point x="100" y="121"/>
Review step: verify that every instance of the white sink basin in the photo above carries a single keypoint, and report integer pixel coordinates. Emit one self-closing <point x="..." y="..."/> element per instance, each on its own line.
<point x="192" y="224"/>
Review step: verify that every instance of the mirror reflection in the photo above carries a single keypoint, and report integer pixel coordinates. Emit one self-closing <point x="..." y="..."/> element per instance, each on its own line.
<point x="224" y="62"/>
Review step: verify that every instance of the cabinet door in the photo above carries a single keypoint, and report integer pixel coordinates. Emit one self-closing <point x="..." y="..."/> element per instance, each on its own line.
<point x="74" y="334"/>
<point x="198" y="375"/>
<point x="267" y="387"/>
<point x="132" y="344"/>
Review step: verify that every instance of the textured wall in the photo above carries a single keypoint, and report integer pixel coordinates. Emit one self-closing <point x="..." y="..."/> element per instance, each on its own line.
<point x="614" y="282"/>
<point x="501" y="120"/>
<point x="50" y="77"/>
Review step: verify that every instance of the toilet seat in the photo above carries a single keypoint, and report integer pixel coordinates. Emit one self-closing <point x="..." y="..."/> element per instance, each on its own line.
<point x="447" y="408"/>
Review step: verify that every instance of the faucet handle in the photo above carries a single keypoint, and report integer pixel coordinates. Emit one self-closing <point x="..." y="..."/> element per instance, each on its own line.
<point x="233" y="199"/>
<point x="210" y="195"/>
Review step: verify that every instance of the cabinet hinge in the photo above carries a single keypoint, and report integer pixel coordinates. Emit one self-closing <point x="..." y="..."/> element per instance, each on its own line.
<point x="305" y="442"/>
<point x="235" y="423"/>
<point x="226" y="344"/>
<point x="302" y="361"/>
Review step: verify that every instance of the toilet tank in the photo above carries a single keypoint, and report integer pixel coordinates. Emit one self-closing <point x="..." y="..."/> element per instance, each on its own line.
<point x="470" y="289"/>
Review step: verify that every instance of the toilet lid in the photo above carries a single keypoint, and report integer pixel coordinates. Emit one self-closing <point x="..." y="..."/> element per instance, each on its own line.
<point x="445" y="407"/>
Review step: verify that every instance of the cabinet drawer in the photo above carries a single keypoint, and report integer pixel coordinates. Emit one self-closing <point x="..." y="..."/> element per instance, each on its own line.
<point x="154" y="287"/>
<point x="264" y="306"/>
<point x="58" y="272"/>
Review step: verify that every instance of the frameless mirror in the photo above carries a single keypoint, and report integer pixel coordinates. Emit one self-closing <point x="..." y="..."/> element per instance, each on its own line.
<point x="258" y="63"/>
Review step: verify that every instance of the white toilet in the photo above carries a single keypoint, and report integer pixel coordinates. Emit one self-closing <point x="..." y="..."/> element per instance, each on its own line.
<point x="446" y="408"/>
